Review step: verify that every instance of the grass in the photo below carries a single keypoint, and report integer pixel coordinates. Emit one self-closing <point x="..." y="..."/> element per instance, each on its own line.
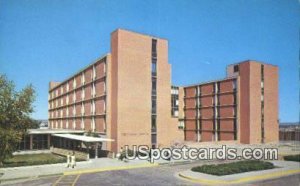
<point x="234" y="167"/>
<point x="292" y="158"/>
<point x="34" y="159"/>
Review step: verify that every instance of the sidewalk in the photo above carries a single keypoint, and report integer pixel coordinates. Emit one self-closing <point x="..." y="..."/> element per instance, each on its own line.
<point x="284" y="168"/>
<point x="94" y="165"/>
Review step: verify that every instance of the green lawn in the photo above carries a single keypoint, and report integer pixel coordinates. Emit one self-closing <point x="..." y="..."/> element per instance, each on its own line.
<point x="234" y="167"/>
<point x="292" y="158"/>
<point x="33" y="159"/>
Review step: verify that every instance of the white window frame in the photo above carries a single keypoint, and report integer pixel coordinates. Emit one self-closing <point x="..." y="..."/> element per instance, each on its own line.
<point x="94" y="90"/>
<point x="93" y="124"/>
<point x="74" y="83"/>
<point x="74" y="96"/>
<point x="94" y="73"/>
<point x="82" y="93"/>
<point x="82" y="123"/>
<point x="74" y="124"/>
<point x="82" y="109"/>
<point x="67" y="111"/>
<point x="74" y="110"/>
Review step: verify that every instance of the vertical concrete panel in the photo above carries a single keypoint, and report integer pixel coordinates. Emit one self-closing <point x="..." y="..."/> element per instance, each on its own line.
<point x="244" y="100"/>
<point x="255" y="102"/>
<point x="271" y="103"/>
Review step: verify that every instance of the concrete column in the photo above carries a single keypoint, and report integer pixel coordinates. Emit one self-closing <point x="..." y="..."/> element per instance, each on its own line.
<point x="96" y="150"/>
<point x="48" y="141"/>
<point x="31" y="139"/>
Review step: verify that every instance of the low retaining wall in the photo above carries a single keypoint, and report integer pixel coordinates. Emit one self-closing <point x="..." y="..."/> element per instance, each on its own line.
<point x="65" y="152"/>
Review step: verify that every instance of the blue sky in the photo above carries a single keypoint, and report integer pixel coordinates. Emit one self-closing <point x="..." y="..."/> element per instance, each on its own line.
<point x="44" y="40"/>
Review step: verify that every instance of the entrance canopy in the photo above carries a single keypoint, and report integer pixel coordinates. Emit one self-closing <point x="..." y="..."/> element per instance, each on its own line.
<point x="53" y="131"/>
<point x="82" y="138"/>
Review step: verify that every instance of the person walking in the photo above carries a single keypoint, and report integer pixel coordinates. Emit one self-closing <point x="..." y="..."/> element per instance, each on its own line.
<point x="68" y="160"/>
<point x="73" y="160"/>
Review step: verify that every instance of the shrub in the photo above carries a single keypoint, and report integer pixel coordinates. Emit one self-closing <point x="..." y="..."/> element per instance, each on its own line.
<point x="292" y="158"/>
<point x="35" y="159"/>
<point x="234" y="167"/>
<point x="130" y="153"/>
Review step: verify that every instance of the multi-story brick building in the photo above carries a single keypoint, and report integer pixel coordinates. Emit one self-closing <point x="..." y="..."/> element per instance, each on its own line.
<point x="127" y="96"/>
<point x="242" y="107"/>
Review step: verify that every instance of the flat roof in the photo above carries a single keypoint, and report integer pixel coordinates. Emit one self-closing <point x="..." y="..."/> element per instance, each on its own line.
<point x="211" y="81"/>
<point x="53" y="131"/>
<point x="82" y="138"/>
<point x="78" y="72"/>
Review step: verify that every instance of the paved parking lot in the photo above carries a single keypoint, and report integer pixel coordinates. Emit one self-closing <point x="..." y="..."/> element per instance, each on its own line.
<point x="161" y="175"/>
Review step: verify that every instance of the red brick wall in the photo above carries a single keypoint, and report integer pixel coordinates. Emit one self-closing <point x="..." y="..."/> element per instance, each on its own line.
<point x="190" y="136"/>
<point x="190" y="124"/>
<point x="190" y="92"/>
<point x="207" y="89"/>
<point x="206" y="136"/>
<point x="207" y="125"/>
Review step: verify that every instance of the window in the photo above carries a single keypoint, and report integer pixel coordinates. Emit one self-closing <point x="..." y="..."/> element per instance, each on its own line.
<point x="236" y="68"/>
<point x="153" y="106"/>
<point x="153" y="138"/>
<point x="93" y="107"/>
<point x="74" y="110"/>
<point x="82" y="109"/>
<point x="82" y="93"/>
<point x="234" y="85"/>
<point x="82" y="123"/>
<point x="153" y="85"/>
<point x="153" y="124"/>
<point x="93" y="90"/>
<point x="154" y="48"/>
<point x="74" y="97"/>
<point x="94" y="73"/>
<point x="93" y="124"/>
<point x="74" y="83"/>
<point x="153" y="68"/>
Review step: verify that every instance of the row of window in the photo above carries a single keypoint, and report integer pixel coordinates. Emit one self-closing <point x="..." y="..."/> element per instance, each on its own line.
<point x="72" y="110"/>
<point x="73" y="96"/>
<point x="56" y="92"/>
<point x="211" y="101"/>
<point x="153" y="92"/>
<point x="216" y="113"/>
<point x="262" y="104"/>
<point x="72" y="124"/>
<point x="215" y="89"/>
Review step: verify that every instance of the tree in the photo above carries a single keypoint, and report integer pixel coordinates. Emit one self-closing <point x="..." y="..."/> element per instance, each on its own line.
<point x="15" y="110"/>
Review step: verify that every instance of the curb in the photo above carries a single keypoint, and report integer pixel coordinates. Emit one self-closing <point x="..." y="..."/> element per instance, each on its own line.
<point x="31" y="177"/>
<point x="241" y="180"/>
<point x="85" y="171"/>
